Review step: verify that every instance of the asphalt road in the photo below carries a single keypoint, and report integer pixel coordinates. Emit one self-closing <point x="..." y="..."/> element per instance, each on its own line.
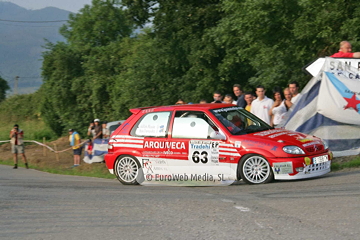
<point x="37" y="205"/>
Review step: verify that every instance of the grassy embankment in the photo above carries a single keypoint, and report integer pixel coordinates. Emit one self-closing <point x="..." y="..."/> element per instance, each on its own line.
<point x="24" y="110"/>
<point x="354" y="163"/>
<point x="33" y="130"/>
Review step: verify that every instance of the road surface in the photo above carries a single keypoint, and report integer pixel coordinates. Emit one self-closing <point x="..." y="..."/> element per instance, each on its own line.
<point x="38" y="205"/>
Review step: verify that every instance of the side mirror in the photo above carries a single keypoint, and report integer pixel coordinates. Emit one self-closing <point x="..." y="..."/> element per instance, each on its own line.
<point x="217" y="135"/>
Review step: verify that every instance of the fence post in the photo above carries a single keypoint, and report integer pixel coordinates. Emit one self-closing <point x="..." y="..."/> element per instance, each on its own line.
<point x="56" y="153"/>
<point x="44" y="148"/>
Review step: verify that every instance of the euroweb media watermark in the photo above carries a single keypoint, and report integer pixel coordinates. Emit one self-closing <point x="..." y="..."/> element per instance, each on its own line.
<point x="186" y="179"/>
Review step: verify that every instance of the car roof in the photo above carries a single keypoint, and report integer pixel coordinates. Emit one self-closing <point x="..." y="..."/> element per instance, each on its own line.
<point x="198" y="106"/>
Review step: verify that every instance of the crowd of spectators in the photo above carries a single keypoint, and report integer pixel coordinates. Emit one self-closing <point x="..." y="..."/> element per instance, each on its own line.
<point x="270" y="110"/>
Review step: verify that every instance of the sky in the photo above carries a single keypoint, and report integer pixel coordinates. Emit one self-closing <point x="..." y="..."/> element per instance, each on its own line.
<point x="69" y="5"/>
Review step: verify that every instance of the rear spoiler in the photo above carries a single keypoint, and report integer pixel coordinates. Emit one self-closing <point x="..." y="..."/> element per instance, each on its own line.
<point x="137" y="110"/>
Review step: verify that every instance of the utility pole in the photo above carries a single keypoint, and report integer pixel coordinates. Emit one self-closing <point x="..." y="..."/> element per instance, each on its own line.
<point x="16" y="85"/>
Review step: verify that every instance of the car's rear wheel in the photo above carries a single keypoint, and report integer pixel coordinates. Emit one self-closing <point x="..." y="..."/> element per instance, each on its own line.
<point x="128" y="170"/>
<point x="255" y="169"/>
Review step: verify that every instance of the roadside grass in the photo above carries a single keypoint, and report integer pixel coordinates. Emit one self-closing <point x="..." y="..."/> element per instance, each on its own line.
<point x="351" y="164"/>
<point x="33" y="130"/>
<point x="98" y="170"/>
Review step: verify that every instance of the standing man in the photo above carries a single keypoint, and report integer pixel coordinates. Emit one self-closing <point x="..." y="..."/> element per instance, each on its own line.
<point x="345" y="51"/>
<point x="217" y="97"/>
<point x="229" y="99"/>
<point x="261" y="105"/>
<point x="91" y="129"/>
<point x="17" y="145"/>
<point x="248" y="96"/>
<point x="240" y="96"/>
<point x="98" y="129"/>
<point x="105" y="130"/>
<point x="75" y="141"/>
<point x="294" y="90"/>
<point x="288" y="96"/>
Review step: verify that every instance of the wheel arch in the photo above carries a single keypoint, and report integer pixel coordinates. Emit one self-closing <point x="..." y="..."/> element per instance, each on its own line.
<point x="246" y="156"/>
<point x="134" y="154"/>
<point x="138" y="178"/>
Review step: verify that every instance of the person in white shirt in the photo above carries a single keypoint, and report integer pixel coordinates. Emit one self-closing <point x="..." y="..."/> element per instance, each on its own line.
<point x="261" y="105"/>
<point x="294" y="90"/>
<point x="229" y="99"/>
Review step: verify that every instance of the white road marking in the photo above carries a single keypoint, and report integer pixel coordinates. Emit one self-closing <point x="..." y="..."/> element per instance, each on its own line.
<point x="243" y="209"/>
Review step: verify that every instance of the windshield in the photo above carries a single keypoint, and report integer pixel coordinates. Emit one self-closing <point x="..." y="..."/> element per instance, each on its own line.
<point x="239" y="121"/>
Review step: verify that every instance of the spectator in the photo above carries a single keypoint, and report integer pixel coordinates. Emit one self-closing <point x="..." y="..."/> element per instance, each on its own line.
<point x="249" y="98"/>
<point x="217" y="97"/>
<point x="294" y="90"/>
<point x="75" y="141"/>
<point x="90" y="146"/>
<point x="229" y="99"/>
<point x="203" y="101"/>
<point x="91" y="129"/>
<point x="345" y="51"/>
<point x="287" y="96"/>
<point x="278" y="109"/>
<point x="97" y="129"/>
<point x="261" y="105"/>
<point x="240" y="96"/>
<point x="17" y="145"/>
<point x="105" y="130"/>
<point x="180" y="102"/>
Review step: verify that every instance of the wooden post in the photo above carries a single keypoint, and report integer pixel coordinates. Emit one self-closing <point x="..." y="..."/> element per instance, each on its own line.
<point x="56" y="153"/>
<point x="44" y="148"/>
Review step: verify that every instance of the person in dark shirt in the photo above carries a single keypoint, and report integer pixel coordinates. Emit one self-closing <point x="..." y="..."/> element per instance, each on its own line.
<point x="98" y="129"/>
<point x="240" y="96"/>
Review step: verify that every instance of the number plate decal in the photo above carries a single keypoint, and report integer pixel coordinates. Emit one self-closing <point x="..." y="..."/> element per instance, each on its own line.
<point x="320" y="159"/>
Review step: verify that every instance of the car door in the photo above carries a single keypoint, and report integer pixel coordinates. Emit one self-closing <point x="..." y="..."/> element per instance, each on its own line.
<point x="152" y="131"/>
<point x="196" y="132"/>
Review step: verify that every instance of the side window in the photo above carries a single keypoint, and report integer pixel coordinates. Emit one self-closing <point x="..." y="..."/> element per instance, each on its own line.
<point x="153" y="124"/>
<point x="191" y="124"/>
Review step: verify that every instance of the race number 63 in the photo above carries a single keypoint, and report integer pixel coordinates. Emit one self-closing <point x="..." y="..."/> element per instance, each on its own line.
<point x="200" y="157"/>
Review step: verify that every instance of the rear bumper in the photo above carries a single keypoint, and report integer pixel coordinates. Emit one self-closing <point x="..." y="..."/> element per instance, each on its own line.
<point x="110" y="162"/>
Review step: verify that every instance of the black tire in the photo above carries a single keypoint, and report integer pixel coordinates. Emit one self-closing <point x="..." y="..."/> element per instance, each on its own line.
<point x="128" y="170"/>
<point x="255" y="169"/>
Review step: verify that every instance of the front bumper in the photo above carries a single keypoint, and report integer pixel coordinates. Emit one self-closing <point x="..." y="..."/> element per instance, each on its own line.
<point x="310" y="171"/>
<point x="300" y="167"/>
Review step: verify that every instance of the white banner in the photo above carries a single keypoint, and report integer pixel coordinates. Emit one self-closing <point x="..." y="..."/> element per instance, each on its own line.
<point x="339" y="94"/>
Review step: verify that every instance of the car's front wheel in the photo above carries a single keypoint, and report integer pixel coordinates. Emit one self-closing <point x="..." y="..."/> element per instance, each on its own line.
<point x="255" y="169"/>
<point x="128" y="170"/>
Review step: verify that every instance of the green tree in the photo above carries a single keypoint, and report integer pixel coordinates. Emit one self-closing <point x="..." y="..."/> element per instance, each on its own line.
<point x="97" y="25"/>
<point x="3" y="88"/>
<point x="278" y="38"/>
<point x="78" y="75"/>
<point x="60" y="66"/>
<point x="180" y="32"/>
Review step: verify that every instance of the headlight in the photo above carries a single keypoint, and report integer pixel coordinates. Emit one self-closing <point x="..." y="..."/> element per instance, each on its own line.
<point x="293" y="150"/>
<point x="326" y="146"/>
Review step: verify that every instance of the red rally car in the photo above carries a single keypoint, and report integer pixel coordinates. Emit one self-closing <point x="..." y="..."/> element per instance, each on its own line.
<point x="210" y="142"/>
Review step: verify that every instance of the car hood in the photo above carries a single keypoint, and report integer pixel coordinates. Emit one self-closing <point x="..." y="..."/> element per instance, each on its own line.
<point x="286" y="137"/>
